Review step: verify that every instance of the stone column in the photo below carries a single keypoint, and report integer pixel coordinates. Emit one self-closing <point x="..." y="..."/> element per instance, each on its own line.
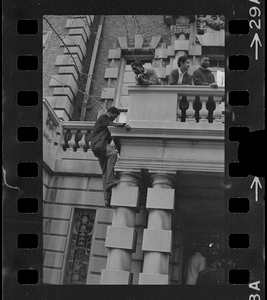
<point x="157" y="238"/>
<point x="121" y="235"/>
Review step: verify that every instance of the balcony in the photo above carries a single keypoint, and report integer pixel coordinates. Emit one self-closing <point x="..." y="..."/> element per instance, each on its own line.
<point x="66" y="144"/>
<point x="176" y="107"/>
<point x="172" y="128"/>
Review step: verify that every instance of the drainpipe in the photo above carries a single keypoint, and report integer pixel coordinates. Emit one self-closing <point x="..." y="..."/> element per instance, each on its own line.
<point x="91" y="69"/>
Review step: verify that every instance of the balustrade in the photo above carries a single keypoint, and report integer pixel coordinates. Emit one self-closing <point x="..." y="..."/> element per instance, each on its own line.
<point x="154" y="106"/>
<point x="190" y="104"/>
<point x="76" y="136"/>
<point x="199" y="108"/>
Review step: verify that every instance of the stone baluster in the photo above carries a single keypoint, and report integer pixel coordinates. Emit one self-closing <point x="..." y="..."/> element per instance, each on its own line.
<point x="63" y="140"/>
<point x="179" y="111"/>
<point x="81" y="142"/>
<point x="71" y="142"/>
<point x="157" y="238"/>
<point x="121" y="235"/>
<point x="217" y="113"/>
<point x="190" y="113"/>
<point x="203" y="113"/>
<point x="183" y="105"/>
<point x="87" y="138"/>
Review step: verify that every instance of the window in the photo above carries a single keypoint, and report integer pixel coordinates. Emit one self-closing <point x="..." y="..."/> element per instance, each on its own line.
<point x="126" y="78"/>
<point x="79" y="246"/>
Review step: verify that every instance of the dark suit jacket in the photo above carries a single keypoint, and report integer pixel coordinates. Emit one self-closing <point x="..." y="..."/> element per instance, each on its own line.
<point x="203" y="76"/>
<point x="174" y="77"/>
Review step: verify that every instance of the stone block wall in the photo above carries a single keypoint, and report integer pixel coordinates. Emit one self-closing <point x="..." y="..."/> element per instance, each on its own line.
<point x="63" y="61"/>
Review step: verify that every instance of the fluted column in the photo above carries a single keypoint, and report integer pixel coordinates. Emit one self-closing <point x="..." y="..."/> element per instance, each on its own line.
<point x="157" y="238"/>
<point x="121" y="235"/>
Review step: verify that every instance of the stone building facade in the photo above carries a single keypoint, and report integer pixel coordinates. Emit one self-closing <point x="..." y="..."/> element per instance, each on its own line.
<point x="170" y="197"/>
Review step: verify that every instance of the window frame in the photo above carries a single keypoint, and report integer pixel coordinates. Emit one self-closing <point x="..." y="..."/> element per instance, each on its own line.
<point x="124" y="60"/>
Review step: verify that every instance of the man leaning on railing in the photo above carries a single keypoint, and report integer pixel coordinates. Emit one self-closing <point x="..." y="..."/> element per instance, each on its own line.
<point x="203" y="76"/>
<point x="180" y="75"/>
<point x="144" y="76"/>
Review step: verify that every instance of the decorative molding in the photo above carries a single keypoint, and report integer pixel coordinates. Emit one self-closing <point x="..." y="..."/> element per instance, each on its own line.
<point x="171" y="130"/>
<point x="216" y="22"/>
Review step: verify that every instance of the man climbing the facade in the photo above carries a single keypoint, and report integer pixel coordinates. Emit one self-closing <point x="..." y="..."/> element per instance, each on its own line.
<point x="107" y="155"/>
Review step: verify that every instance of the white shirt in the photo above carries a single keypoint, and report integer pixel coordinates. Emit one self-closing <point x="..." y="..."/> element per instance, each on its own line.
<point x="181" y="76"/>
<point x="196" y="264"/>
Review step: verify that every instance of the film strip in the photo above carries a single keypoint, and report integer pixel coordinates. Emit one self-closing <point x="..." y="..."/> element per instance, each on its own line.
<point x="244" y="148"/>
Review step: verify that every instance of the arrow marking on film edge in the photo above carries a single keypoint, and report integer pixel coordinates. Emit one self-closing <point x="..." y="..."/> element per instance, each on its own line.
<point x="257" y="183"/>
<point x="257" y="41"/>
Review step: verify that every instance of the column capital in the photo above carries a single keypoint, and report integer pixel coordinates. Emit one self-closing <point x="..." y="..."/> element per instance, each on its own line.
<point x="129" y="178"/>
<point x="163" y="180"/>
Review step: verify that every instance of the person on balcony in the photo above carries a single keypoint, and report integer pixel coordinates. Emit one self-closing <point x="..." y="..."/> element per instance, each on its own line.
<point x="106" y="154"/>
<point x="203" y="76"/>
<point x="181" y="76"/>
<point x="144" y="76"/>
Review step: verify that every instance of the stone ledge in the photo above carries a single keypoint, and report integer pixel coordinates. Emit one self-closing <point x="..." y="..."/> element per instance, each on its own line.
<point x="75" y="40"/>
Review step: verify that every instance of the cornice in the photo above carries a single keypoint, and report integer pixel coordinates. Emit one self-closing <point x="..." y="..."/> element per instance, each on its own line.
<point x="168" y="166"/>
<point x="169" y="133"/>
<point x="183" y="90"/>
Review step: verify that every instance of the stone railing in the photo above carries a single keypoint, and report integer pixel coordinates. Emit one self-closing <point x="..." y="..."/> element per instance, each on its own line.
<point x="76" y="136"/>
<point x="51" y="125"/>
<point x="159" y="105"/>
<point x="65" y="135"/>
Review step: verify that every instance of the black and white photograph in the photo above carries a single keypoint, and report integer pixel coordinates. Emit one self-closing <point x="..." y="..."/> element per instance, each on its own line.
<point x="133" y="149"/>
<point x="129" y="170"/>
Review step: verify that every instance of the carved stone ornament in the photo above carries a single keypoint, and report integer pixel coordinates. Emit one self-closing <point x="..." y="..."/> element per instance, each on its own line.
<point x="216" y="22"/>
<point x="178" y="30"/>
<point x="172" y="19"/>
